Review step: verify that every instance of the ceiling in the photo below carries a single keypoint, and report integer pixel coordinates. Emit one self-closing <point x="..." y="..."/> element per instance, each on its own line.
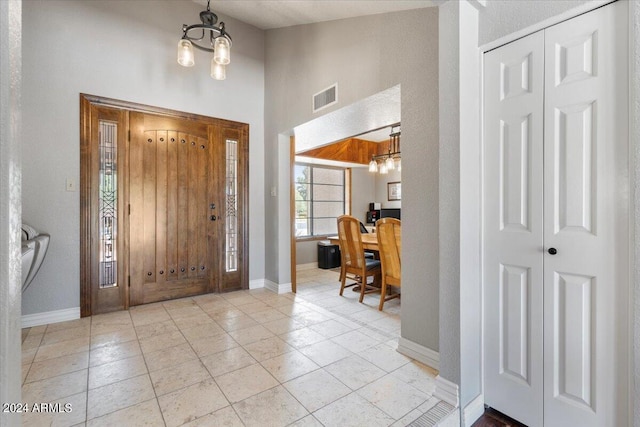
<point x="268" y="14"/>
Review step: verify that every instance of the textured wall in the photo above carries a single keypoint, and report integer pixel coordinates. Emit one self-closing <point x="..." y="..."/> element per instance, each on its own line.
<point x="10" y="255"/>
<point x="503" y="17"/>
<point x="363" y="59"/>
<point x="122" y="50"/>
<point x="635" y="176"/>
<point x="449" y="103"/>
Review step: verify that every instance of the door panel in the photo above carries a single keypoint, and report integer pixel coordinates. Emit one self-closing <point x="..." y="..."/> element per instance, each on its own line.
<point x="514" y="323"/>
<point x="169" y="198"/>
<point x="573" y="338"/>
<point x="513" y="228"/>
<point x="586" y="219"/>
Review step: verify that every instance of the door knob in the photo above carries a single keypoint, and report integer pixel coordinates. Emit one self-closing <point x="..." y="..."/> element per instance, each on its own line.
<point x="552" y="251"/>
<point x="213" y="218"/>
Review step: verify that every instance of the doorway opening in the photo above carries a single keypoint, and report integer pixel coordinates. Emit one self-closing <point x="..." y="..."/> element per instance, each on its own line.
<point x="348" y="129"/>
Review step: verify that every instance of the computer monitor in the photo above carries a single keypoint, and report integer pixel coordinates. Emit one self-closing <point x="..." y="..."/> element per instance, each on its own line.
<point x="390" y="213"/>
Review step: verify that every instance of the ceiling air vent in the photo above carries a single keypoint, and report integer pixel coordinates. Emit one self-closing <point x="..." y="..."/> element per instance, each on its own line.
<point x="325" y="98"/>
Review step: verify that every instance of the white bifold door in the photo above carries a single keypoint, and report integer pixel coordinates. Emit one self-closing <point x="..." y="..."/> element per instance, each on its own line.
<point x="556" y="224"/>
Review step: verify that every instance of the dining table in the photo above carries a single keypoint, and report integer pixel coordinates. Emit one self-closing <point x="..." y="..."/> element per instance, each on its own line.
<point x="369" y="241"/>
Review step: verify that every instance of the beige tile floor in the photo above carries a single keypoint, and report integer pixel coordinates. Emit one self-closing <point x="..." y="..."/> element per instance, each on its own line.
<point x="247" y="358"/>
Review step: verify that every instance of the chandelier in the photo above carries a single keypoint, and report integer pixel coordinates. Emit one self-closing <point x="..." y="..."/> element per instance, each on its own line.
<point x="198" y="35"/>
<point x="383" y="163"/>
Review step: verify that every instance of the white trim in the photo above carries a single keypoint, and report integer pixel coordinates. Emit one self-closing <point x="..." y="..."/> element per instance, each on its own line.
<point x="419" y="352"/>
<point x="37" y="319"/>
<point x="281" y="288"/>
<point x="307" y="266"/>
<point x="564" y="16"/>
<point x="446" y="391"/>
<point x="256" y="283"/>
<point x="473" y="411"/>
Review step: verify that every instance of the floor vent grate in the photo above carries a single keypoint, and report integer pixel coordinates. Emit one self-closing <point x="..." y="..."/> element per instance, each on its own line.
<point x="433" y="416"/>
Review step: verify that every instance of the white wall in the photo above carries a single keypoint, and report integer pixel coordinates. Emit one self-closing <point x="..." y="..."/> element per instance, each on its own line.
<point x="10" y="255"/>
<point x="634" y="116"/>
<point x="381" y="189"/>
<point x="122" y="50"/>
<point x="503" y="17"/>
<point x="360" y="56"/>
<point x="451" y="31"/>
<point x="363" y="192"/>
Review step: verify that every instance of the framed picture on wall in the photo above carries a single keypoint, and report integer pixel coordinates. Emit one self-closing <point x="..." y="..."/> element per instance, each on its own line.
<point x="394" y="191"/>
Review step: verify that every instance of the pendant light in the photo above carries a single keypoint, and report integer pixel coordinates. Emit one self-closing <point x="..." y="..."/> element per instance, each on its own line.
<point x="219" y="43"/>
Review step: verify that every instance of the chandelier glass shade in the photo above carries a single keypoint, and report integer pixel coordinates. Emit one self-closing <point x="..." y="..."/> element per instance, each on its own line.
<point x="384" y="163"/>
<point x="209" y="37"/>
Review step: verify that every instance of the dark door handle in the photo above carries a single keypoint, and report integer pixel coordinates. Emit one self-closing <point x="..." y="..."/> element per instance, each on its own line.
<point x="552" y="251"/>
<point x="213" y="218"/>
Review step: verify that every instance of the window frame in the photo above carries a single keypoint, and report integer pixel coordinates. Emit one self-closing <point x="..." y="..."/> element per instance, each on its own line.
<point x="346" y="197"/>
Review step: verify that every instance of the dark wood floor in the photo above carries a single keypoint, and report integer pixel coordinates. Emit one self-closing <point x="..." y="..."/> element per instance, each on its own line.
<point x="493" y="418"/>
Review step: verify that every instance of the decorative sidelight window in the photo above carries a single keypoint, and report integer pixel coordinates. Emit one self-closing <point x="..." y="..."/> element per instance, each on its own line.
<point x="108" y="204"/>
<point x="231" y="192"/>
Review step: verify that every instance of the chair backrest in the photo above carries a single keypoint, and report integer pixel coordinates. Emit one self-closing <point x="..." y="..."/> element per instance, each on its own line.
<point x="389" y="234"/>
<point x="351" y="249"/>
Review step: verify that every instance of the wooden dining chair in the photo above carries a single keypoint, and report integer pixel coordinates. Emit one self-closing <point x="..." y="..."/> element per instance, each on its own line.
<point x="354" y="265"/>
<point x="389" y="235"/>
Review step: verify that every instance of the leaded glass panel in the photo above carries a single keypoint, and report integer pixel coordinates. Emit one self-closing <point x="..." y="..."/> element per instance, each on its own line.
<point x="231" y="206"/>
<point x="108" y="204"/>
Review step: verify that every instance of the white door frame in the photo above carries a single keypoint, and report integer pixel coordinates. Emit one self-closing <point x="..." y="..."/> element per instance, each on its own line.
<point x="471" y="173"/>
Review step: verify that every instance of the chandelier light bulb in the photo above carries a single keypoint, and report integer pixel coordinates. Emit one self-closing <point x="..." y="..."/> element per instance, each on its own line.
<point x="218" y="71"/>
<point x="373" y="166"/>
<point x="383" y="168"/>
<point x="398" y="164"/>
<point x="222" y="50"/>
<point x="389" y="163"/>
<point x="185" y="53"/>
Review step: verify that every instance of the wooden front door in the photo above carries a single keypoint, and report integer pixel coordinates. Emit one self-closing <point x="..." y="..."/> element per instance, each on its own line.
<point x="181" y="226"/>
<point x="172" y="188"/>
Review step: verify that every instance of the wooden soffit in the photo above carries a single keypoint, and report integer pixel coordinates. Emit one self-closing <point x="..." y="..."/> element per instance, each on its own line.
<point x="352" y="150"/>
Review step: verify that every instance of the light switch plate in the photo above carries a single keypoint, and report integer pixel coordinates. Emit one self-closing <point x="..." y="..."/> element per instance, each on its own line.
<point x="71" y="184"/>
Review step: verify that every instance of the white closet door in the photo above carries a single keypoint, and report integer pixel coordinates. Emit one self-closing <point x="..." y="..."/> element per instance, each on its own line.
<point x="513" y="249"/>
<point x="586" y="220"/>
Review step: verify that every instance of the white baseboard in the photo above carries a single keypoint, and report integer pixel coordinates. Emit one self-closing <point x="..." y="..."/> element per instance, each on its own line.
<point x="308" y="266"/>
<point x="446" y="391"/>
<point x="37" y="319"/>
<point x="281" y="288"/>
<point x="473" y="411"/>
<point x="256" y="283"/>
<point x="419" y="352"/>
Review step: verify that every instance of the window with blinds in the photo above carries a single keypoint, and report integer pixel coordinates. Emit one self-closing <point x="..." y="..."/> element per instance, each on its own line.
<point x="320" y="194"/>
